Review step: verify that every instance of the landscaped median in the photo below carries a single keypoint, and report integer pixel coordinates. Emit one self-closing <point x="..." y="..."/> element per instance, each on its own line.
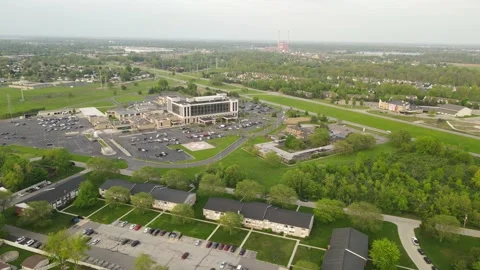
<point x="110" y="213"/>
<point x="270" y="248"/>
<point x="235" y="238"/>
<point x="468" y="144"/>
<point x="195" y="229"/>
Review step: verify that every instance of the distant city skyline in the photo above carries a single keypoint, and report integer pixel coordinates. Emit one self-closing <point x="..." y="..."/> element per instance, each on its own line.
<point x="343" y="21"/>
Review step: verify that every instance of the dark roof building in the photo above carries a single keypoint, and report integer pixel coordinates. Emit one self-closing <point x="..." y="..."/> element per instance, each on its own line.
<point x="223" y="205"/>
<point x="255" y="210"/>
<point x="57" y="191"/>
<point x="293" y="218"/>
<point x="348" y="250"/>
<point x="169" y="195"/>
<point x="117" y="182"/>
<point x="143" y="187"/>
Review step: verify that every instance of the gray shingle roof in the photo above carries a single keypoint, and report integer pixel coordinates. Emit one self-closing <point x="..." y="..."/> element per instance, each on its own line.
<point x="169" y="195"/>
<point x="143" y="187"/>
<point x="345" y="243"/>
<point x="451" y="107"/>
<point x="223" y="205"/>
<point x="57" y="191"/>
<point x="341" y="259"/>
<point x="254" y="210"/>
<point x="117" y="182"/>
<point x="289" y="217"/>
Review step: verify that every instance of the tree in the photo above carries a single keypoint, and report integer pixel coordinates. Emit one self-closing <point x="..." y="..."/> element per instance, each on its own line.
<point x="476" y="265"/>
<point x="142" y="201"/>
<point x="282" y="195"/>
<point x="232" y="175"/>
<point x="255" y="99"/>
<point x="476" y="178"/>
<point x="272" y="159"/>
<point x="176" y="179"/>
<point x="102" y="164"/>
<point x="217" y="79"/>
<point x="361" y="141"/>
<point x="305" y="265"/>
<point x="162" y="85"/>
<point x="248" y="190"/>
<point x="211" y="184"/>
<point x="58" y="158"/>
<point x="231" y="221"/>
<point x="429" y="146"/>
<point x="145" y="262"/>
<point x="343" y="147"/>
<point x="298" y="180"/>
<point x="146" y="174"/>
<point x="365" y="216"/>
<point x="320" y="137"/>
<point x="327" y="210"/>
<point x="5" y="199"/>
<point x="87" y="195"/>
<point x="116" y="195"/>
<point x="399" y="138"/>
<point x="38" y="214"/>
<point x="443" y="227"/>
<point x="385" y="254"/>
<point x="314" y="119"/>
<point x="183" y="213"/>
<point x="62" y="247"/>
<point x="123" y="87"/>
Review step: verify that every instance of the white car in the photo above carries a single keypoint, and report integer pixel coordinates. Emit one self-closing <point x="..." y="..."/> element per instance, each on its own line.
<point x="20" y="239"/>
<point x="222" y="265"/>
<point x="30" y="242"/>
<point x="94" y="242"/>
<point x="415" y="241"/>
<point x="132" y="226"/>
<point x="146" y="229"/>
<point x="123" y="223"/>
<point x="198" y="242"/>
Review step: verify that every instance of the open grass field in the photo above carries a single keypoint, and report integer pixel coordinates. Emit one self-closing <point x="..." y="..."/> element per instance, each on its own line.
<point x="219" y="143"/>
<point x="235" y="238"/>
<point x="465" y="143"/>
<point x="195" y="229"/>
<point x="59" y="221"/>
<point x="308" y="254"/>
<point x="140" y="217"/>
<point x="444" y="254"/>
<point x="128" y="98"/>
<point x="272" y="249"/>
<point x="110" y="213"/>
<point x="85" y="212"/>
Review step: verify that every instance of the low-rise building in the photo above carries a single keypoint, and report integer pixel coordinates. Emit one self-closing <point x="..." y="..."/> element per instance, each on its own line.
<point x="164" y="198"/>
<point x="5" y="266"/>
<point x="299" y="132"/>
<point x="454" y="110"/>
<point x="123" y="114"/>
<point x="35" y="262"/>
<point x="262" y="216"/>
<point x="394" y="105"/>
<point x="348" y="250"/>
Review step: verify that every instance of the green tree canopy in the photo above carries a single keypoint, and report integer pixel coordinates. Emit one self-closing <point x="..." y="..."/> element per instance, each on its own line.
<point x="211" y="184"/>
<point x="61" y="247"/>
<point x="117" y="195"/>
<point x="183" y="213"/>
<point x="365" y="216"/>
<point x="443" y="227"/>
<point x="231" y="221"/>
<point x="385" y="254"/>
<point x="38" y="214"/>
<point x="327" y="210"/>
<point x="176" y="179"/>
<point x="248" y="190"/>
<point x="58" y="158"/>
<point x="282" y="195"/>
<point x="146" y="174"/>
<point x="102" y="164"/>
<point x="142" y="201"/>
<point x="399" y="138"/>
<point x="87" y="195"/>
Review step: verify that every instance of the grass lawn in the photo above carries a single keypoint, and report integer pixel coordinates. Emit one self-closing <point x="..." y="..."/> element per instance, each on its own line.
<point x="444" y="254"/>
<point x="71" y="171"/>
<point x="465" y="143"/>
<point x="111" y="213"/>
<point x="309" y="254"/>
<point x="59" y="221"/>
<point x="196" y="229"/>
<point x="129" y="98"/>
<point x="223" y="236"/>
<point x="321" y="233"/>
<point x="270" y="249"/>
<point x="219" y="143"/>
<point x="137" y="217"/>
<point x="85" y="211"/>
<point x="22" y="254"/>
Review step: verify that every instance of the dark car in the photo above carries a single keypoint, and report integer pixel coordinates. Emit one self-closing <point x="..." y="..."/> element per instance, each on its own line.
<point x="242" y="251"/>
<point x="209" y="244"/>
<point x="434" y="268"/>
<point x="37" y="244"/>
<point x="125" y="241"/>
<point x="172" y="235"/>
<point x="156" y="232"/>
<point x="163" y="232"/>
<point x="427" y="260"/>
<point x="226" y="248"/>
<point x="151" y="230"/>
<point x="220" y="247"/>
<point x="185" y="255"/>
<point x="180" y="235"/>
<point x="233" y="249"/>
<point x="215" y="245"/>
<point x="421" y="251"/>
<point x="135" y="243"/>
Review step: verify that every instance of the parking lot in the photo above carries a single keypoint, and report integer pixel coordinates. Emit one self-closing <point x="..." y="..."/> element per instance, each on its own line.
<point x="163" y="249"/>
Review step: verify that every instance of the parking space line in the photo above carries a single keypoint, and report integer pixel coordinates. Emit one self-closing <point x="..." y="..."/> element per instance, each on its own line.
<point x="210" y="236"/>
<point x="146" y="225"/>
<point x="98" y="210"/>
<point x="293" y="254"/>
<point x="298" y="207"/>
<point x="120" y="218"/>
<point x="246" y="238"/>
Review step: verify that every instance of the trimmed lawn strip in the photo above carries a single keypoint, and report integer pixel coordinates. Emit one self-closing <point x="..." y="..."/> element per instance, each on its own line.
<point x="321" y="233"/>
<point x="309" y="254"/>
<point x="85" y="211"/>
<point x="110" y="213"/>
<point x="444" y="254"/>
<point x="271" y="249"/>
<point x="468" y="144"/>
<point x="224" y="237"/>
<point x="59" y="221"/>
<point x="137" y="217"/>
<point x="195" y="229"/>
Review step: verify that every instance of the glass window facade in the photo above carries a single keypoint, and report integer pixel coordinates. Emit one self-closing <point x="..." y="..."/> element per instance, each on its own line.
<point x="176" y="109"/>
<point x="210" y="108"/>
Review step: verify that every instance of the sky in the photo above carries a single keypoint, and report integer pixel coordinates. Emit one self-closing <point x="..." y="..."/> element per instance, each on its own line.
<point x="371" y="21"/>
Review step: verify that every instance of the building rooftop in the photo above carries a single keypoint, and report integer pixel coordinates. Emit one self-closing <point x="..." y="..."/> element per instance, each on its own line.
<point x="143" y="187"/>
<point x="289" y="217"/>
<point x="348" y="250"/>
<point x="32" y="261"/>
<point x="451" y="107"/>
<point x="170" y="195"/>
<point x="56" y="191"/>
<point x="223" y="205"/>
<point x="254" y="210"/>
<point x="341" y="259"/>
<point x="117" y="182"/>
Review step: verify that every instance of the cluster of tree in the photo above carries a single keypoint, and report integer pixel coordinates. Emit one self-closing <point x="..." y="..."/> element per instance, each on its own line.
<point x="320" y="137"/>
<point x="18" y="173"/>
<point x="354" y="142"/>
<point x="145" y="262"/>
<point x="62" y="247"/>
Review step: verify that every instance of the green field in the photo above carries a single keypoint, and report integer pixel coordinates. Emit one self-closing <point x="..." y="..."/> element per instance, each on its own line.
<point x="129" y="98"/>
<point x="219" y="143"/>
<point x="139" y="217"/>
<point x="110" y="213"/>
<point x="272" y="249"/>
<point x="59" y="221"/>
<point x="308" y="254"/>
<point x="235" y="238"/>
<point x="85" y="211"/>
<point x="196" y="229"/>
<point x="468" y="144"/>
<point x="444" y="254"/>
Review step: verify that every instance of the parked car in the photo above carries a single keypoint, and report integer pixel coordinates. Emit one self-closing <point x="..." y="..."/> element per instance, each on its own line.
<point x="233" y="249"/>
<point x="172" y="235"/>
<point x="215" y="245"/>
<point x="124" y="241"/>
<point x="434" y="268"/>
<point x="415" y="241"/>
<point x="132" y="226"/>
<point x="156" y="232"/>
<point x="163" y="232"/>
<point x="209" y="244"/>
<point x="30" y="242"/>
<point x="222" y="265"/>
<point x="226" y="248"/>
<point x="185" y="255"/>
<point x="135" y="243"/>
<point x="20" y="239"/>
<point x="123" y="223"/>
<point x="146" y="230"/>
<point x="220" y="247"/>
<point x="137" y="227"/>
<point x="427" y="260"/>
<point x="421" y="251"/>
<point x="198" y="242"/>
<point x="94" y="242"/>
<point x="242" y="252"/>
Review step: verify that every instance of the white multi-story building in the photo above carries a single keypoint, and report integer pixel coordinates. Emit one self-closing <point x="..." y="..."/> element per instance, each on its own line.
<point x="203" y="109"/>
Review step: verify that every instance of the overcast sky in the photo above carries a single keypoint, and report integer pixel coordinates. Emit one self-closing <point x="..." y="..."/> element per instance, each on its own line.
<point x="391" y="21"/>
